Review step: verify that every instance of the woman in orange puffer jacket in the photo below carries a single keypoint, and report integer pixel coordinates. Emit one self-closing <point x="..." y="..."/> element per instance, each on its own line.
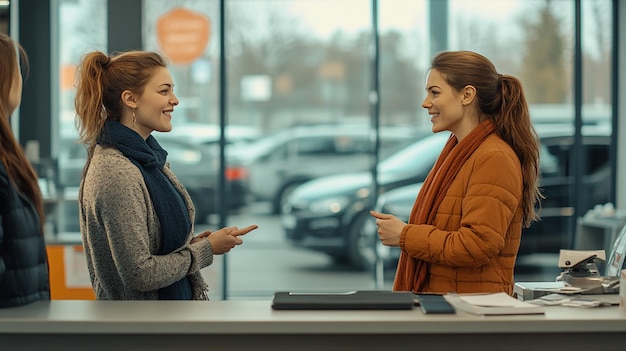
<point x="465" y="227"/>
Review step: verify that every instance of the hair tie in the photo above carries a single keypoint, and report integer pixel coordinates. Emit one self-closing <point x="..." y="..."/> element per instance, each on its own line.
<point x="106" y="63"/>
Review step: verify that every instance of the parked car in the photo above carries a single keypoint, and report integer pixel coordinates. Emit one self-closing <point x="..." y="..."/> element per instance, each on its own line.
<point x="193" y="153"/>
<point x="197" y="166"/>
<point x="329" y="215"/>
<point x="280" y="162"/>
<point x="326" y="214"/>
<point x="558" y="210"/>
<point x="201" y="133"/>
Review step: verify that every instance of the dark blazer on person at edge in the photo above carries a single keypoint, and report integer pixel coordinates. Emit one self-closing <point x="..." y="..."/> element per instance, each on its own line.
<point x="23" y="260"/>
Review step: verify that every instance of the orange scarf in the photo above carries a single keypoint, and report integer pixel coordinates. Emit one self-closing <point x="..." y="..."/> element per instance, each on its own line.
<point x="412" y="273"/>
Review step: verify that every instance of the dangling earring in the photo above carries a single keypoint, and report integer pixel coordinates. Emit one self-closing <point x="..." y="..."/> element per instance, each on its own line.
<point x="134" y="119"/>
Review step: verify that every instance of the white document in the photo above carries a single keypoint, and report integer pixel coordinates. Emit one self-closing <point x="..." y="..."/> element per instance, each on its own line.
<point x="494" y="300"/>
<point x="76" y="272"/>
<point x="492" y="304"/>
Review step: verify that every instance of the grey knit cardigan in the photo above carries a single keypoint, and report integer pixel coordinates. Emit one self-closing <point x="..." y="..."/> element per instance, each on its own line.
<point x="120" y="233"/>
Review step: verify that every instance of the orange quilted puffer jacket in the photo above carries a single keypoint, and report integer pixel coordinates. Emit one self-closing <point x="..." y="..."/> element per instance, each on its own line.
<point x="473" y="243"/>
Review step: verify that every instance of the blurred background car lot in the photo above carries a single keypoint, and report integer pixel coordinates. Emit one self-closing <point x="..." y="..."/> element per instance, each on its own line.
<point x="279" y="162"/>
<point x="326" y="214"/>
<point x="207" y="134"/>
<point x="197" y="167"/>
<point x="331" y="215"/>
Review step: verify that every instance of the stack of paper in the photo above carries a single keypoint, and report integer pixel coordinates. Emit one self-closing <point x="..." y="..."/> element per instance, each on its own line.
<point x="492" y="304"/>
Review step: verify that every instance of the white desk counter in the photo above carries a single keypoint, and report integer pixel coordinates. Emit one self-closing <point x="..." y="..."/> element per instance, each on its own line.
<point x="253" y="325"/>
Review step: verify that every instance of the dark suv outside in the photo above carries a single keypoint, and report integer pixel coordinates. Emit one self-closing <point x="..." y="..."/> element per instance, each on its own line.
<point x="353" y="235"/>
<point x="326" y="214"/>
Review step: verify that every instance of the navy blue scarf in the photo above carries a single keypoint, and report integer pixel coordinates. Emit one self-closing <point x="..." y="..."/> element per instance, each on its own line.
<point x="168" y="203"/>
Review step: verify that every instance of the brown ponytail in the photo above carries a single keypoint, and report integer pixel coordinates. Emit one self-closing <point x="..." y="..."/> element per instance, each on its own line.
<point x="513" y="125"/>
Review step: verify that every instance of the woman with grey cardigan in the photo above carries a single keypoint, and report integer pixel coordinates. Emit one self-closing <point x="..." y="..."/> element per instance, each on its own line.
<point x="136" y="218"/>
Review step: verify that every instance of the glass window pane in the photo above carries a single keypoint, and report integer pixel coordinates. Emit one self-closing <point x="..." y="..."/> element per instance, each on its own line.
<point x="187" y="34"/>
<point x="298" y="71"/>
<point x="299" y="74"/>
<point x="597" y="77"/>
<point x="81" y="28"/>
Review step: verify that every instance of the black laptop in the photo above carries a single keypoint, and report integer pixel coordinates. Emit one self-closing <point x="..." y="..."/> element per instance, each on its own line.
<point x="352" y="300"/>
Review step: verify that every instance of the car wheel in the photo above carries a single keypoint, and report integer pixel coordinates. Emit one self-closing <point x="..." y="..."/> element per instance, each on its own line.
<point x="362" y="243"/>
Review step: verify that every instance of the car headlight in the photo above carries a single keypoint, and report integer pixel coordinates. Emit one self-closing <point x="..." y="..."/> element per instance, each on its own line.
<point x="329" y="205"/>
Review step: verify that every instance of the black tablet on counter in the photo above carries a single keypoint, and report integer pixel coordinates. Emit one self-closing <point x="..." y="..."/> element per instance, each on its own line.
<point x="352" y="300"/>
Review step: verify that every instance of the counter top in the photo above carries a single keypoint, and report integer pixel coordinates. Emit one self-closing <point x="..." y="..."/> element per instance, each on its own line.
<point x="241" y="320"/>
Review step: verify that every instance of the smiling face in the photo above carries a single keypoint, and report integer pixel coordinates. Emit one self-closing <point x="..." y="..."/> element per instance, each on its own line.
<point x="448" y="108"/>
<point x="155" y="105"/>
<point x="444" y="104"/>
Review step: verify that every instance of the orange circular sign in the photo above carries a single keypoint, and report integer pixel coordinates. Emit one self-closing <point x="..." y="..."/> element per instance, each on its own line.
<point x="183" y="35"/>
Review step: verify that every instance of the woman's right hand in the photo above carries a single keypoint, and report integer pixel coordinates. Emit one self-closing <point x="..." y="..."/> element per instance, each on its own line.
<point x="225" y="239"/>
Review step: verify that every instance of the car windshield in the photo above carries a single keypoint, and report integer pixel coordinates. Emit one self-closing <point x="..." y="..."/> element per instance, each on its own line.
<point x="258" y="147"/>
<point x="310" y="138"/>
<point x="416" y="157"/>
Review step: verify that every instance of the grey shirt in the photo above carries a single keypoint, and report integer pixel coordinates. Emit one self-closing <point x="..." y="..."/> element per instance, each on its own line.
<point x="121" y="233"/>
